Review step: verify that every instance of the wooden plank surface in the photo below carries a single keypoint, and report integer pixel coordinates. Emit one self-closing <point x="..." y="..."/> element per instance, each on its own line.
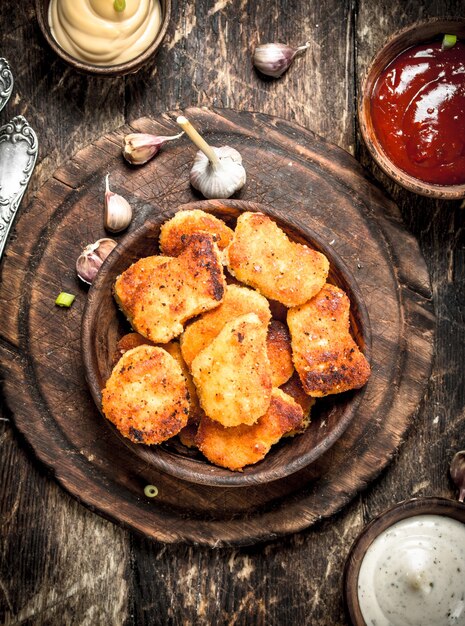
<point x="61" y="563"/>
<point x="63" y="426"/>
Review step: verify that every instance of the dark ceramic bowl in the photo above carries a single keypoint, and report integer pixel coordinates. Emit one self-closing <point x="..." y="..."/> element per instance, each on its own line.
<point x="401" y="511"/>
<point x="103" y="325"/>
<point x="416" y="34"/>
<point x="103" y="70"/>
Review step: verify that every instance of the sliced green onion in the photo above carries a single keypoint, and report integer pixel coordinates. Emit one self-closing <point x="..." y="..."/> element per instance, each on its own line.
<point x="150" y="491"/>
<point x="119" y="5"/>
<point x="65" y="299"/>
<point x="449" y="41"/>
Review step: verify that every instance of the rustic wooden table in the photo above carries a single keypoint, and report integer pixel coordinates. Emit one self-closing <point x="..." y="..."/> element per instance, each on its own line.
<point x="62" y="564"/>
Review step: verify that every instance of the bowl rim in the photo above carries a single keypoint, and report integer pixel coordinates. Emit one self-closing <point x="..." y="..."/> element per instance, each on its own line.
<point x="409" y="182"/>
<point x="412" y="507"/>
<point x="131" y="66"/>
<point x="188" y="470"/>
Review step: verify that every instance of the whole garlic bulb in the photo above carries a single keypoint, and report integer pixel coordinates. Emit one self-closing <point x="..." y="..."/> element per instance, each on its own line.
<point x="216" y="172"/>
<point x="221" y="180"/>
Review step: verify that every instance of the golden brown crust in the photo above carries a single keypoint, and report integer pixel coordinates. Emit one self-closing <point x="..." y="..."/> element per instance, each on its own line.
<point x="232" y="374"/>
<point x="146" y="396"/>
<point x="278" y="346"/>
<point x="326" y="357"/>
<point x="262" y="256"/>
<point x="236" y="447"/>
<point x="127" y="342"/>
<point x="159" y="294"/>
<point x="172" y="233"/>
<point x="195" y="412"/>
<point x="237" y="301"/>
<point x="293" y="388"/>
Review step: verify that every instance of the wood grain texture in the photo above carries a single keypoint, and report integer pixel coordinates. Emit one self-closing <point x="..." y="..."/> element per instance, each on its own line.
<point x="302" y="183"/>
<point x="423" y="470"/>
<point x="206" y="61"/>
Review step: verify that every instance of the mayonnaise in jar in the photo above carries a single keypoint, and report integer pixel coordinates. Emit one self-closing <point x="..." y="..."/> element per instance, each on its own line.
<point x="94" y="32"/>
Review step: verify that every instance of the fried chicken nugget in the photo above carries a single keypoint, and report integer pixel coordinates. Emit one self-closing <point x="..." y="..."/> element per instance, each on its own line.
<point x="293" y="387"/>
<point x="262" y="256"/>
<point x="278" y="346"/>
<point x="233" y="374"/>
<point x="237" y="301"/>
<point x="236" y="447"/>
<point x="195" y="412"/>
<point x="172" y="233"/>
<point x="127" y="342"/>
<point x="158" y="294"/>
<point x="326" y="357"/>
<point x="146" y="396"/>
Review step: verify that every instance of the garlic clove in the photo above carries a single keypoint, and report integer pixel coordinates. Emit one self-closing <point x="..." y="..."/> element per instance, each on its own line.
<point x="138" y="148"/>
<point x="216" y="172"/>
<point x="223" y="181"/>
<point x="118" y="212"/>
<point x="103" y="247"/>
<point x="457" y="472"/>
<point x="273" y="59"/>
<point x="91" y="258"/>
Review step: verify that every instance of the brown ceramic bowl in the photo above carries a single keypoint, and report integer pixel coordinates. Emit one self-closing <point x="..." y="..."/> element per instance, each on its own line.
<point x="103" y="70"/>
<point x="103" y="324"/>
<point x="416" y="34"/>
<point x="401" y="511"/>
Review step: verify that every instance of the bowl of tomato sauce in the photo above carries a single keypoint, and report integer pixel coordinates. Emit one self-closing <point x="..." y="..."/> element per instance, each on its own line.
<point x="412" y="108"/>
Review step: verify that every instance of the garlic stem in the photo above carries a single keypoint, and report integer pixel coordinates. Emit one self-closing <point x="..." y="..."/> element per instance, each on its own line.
<point x="198" y="140"/>
<point x="302" y="48"/>
<point x="174" y="136"/>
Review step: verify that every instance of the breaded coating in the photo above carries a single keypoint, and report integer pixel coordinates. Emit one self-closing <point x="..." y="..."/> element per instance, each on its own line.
<point x="326" y="357"/>
<point x="261" y="255"/>
<point x="278" y="345"/>
<point x="195" y="412"/>
<point x="146" y="395"/>
<point x="293" y="387"/>
<point x="172" y="233"/>
<point x="243" y="445"/>
<point x="158" y="294"/>
<point x="233" y="374"/>
<point x="127" y="342"/>
<point x="237" y="301"/>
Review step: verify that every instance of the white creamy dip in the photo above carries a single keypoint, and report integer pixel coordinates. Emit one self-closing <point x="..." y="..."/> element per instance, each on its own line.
<point x="413" y="574"/>
<point x="94" y="32"/>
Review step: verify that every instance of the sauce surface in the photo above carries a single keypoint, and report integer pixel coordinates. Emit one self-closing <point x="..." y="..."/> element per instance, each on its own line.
<point x="92" y="31"/>
<point x="413" y="574"/>
<point x="418" y="112"/>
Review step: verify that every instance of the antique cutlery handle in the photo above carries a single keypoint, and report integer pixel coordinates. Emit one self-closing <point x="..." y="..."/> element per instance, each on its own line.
<point x="18" y="154"/>
<point x="6" y="82"/>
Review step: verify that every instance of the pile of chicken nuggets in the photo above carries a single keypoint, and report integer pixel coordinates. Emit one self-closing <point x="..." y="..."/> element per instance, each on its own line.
<point x="236" y="332"/>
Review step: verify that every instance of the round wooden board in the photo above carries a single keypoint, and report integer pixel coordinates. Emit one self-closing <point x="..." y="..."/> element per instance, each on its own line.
<point x="305" y="180"/>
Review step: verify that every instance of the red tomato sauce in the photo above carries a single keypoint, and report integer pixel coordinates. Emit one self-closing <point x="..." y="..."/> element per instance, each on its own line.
<point x="418" y="112"/>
